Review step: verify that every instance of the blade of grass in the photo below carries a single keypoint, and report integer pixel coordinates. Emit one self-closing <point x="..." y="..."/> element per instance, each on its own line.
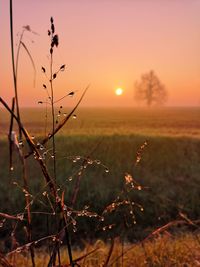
<point x="9" y="136"/>
<point x="31" y="59"/>
<point x="109" y="253"/>
<point x="4" y="262"/>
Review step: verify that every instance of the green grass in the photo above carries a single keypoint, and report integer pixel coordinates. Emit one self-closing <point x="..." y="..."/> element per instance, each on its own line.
<point x="169" y="169"/>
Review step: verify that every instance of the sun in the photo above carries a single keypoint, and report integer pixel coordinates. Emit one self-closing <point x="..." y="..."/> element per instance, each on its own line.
<point x="119" y="91"/>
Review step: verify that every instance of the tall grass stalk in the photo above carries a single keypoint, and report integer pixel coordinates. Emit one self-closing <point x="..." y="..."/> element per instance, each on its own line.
<point x="13" y="64"/>
<point x="25" y="178"/>
<point x="52" y="109"/>
<point x="10" y="137"/>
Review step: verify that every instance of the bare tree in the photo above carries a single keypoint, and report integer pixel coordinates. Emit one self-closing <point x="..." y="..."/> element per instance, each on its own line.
<point x="150" y="90"/>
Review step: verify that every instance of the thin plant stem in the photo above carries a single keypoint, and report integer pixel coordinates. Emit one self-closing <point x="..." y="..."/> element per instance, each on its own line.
<point x="56" y="249"/>
<point x="25" y="178"/>
<point x="13" y="65"/>
<point x="45" y="124"/>
<point x="20" y="131"/>
<point x="18" y="50"/>
<point x="10" y="138"/>
<point x="122" y="243"/>
<point x="27" y="198"/>
<point x="53" y="115"/>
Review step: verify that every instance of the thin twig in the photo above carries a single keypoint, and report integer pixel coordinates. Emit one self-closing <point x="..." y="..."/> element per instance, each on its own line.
<point x="10" y="217"/>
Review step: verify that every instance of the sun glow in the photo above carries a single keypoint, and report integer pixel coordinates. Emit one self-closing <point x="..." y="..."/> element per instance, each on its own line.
<point x="119" y="91"/>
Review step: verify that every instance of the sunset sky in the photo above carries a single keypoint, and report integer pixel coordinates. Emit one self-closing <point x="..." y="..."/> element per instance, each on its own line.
<point x="107" y="44"/>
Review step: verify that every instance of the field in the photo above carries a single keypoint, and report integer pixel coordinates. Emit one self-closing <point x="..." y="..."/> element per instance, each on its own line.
<point x="168" y="171"/>
<point x="110" y="121"/>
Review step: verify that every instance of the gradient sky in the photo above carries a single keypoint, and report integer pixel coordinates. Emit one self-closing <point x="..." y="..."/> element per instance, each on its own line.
<point x="107" y="44"/>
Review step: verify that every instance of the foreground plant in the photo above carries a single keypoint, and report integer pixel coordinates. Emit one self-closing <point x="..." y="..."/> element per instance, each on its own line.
<point x="64" y="215"/>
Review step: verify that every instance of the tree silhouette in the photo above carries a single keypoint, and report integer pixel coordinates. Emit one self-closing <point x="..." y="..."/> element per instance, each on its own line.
<point x="150" y="90"/>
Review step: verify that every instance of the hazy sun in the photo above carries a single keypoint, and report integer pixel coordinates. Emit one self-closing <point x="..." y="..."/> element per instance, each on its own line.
<point x="119" y="91"/>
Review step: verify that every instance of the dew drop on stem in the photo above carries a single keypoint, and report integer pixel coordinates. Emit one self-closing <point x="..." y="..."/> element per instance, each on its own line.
<point x="70" y="178"/>
<point x="20" y="217"/>
<point x="102" y="219"/>
<point x="69" y="213"/>
<point x="44" y="193"/>
<point x="20" y="143"/>
<point x="89" y="161"/>
<point x="18" y="250"/>
<point x="98" y="162"/>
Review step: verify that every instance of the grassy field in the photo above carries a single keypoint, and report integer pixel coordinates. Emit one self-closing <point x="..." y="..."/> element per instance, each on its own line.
<point x="165" y="251"/>
<point x="110" y="121"/>
<point x="168" y="171"/>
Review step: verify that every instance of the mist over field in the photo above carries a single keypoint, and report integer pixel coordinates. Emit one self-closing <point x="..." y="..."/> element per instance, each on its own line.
<point x="161" y="121"/>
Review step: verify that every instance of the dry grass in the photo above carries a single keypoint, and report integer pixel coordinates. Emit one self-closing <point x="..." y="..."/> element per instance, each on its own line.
<point x="166" y="250"/>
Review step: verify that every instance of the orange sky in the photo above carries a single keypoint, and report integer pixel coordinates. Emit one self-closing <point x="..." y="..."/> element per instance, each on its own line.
<point x="107" y="44"/>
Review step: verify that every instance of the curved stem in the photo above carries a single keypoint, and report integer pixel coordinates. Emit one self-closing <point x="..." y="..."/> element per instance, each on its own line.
<point x="18" y="50"/>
